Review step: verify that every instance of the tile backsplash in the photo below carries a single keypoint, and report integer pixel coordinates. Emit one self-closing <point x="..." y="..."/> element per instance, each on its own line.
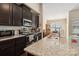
<point x="10" y="28"/>
<point x="15" y="28"/>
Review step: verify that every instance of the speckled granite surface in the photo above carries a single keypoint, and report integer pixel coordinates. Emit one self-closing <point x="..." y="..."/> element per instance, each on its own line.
<point x="48" y="47"/>
<point x="10" y="37"/>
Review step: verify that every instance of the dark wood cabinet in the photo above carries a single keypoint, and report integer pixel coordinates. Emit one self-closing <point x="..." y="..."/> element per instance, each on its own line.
<point x="7" y="48"/>
<point x="12" y="14"/>
<point x="37" y="20"/>
<point x="20" y="45"/>
<point x="5" y="14"/>
<point x="12" y="47"/>
<point x="27" y="13"/>
<point x="17" y="15"/>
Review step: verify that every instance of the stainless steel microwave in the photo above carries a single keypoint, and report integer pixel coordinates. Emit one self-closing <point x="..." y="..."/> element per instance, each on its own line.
<point x="27" y="22"/>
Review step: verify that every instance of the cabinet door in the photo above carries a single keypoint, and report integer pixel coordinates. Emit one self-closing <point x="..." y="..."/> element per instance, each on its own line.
<point x="30" y="15"/>
<point x="33" y="20"/>
<point x="37" y="20"/>
<point x="7" y="48"/>
<point x="17" y="15"/>
<point x="26" y="13"/>
<point x="20" y="45"/>
<point x="5" y="13"/>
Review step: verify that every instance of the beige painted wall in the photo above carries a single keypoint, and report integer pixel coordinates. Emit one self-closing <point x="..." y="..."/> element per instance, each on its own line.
<point x="34" y="6"/>
<point x="57" y="10"/>
<point x="15" y="28"/>
<point x="63" y="22"/>
<point x="41" y="18"/>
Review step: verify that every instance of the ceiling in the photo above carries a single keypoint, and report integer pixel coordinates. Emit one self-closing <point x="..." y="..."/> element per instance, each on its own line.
<point x="57" y="10"/>
<point x="53" y="11"/>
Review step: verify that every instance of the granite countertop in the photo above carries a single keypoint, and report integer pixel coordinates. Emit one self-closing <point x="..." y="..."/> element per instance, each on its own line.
<point x="47" y="47"/>
<point x="10" y="37"/>
<point x="31" y="33"/>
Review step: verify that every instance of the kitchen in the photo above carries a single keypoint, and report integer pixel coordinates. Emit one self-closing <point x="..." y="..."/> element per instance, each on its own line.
<point x="20" y="23"/>
<point x="25" y="29"/>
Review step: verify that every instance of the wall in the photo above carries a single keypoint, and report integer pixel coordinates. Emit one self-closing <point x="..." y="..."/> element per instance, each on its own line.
<point x="63" y="23"/>
<point x="10" y="27"/>
<point x="63" y="29"/>
<point x="57" y="10"/>
<point x="41" y="19"/>
<point x="15" y="28"/>
<point x="34" y="6"/>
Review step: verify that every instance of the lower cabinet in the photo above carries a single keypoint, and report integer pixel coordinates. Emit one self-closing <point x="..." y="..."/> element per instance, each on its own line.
<point x="7" y="51"/>
<point x="7" y="48"/>
<point x="39" y="36"/>
<point x="12" y="47"/>
<point x="20" y="44"/>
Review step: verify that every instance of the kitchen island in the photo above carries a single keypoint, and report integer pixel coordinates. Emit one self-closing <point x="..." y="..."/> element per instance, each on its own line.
<point x="50" y="47"/>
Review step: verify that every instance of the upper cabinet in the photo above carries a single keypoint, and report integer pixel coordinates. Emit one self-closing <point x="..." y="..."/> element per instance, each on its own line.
<point x="35" y="20"/>
<point x="5" y="14"/>
<point x="17" y="15"/>
<point x="12" y="14"/>
<point x="27" y="13"/>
